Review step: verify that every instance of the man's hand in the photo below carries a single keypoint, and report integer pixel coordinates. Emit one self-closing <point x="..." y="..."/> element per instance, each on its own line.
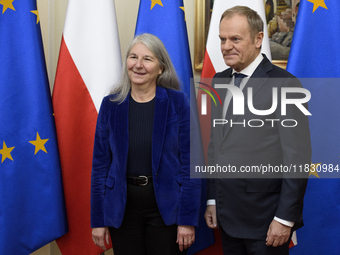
<point x="210" y="216"/>
<point x="98" y="236"/>
<point x="185" y="236"/>
<point x="277" y="234"/>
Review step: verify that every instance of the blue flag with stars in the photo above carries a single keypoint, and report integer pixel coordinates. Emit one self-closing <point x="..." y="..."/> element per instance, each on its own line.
<point x="166" y="20"/>
<point x="315" y="59"/>
<point x="32" y="210"/>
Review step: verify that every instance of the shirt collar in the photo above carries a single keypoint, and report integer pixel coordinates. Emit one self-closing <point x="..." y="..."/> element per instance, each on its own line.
<point x="249" y="70"/>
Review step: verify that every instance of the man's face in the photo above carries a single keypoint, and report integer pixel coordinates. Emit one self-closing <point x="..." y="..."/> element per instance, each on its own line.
<point x="237" y="46"/>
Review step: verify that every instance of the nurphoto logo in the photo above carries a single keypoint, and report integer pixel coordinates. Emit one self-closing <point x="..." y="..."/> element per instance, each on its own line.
<point x="238" y="104"/>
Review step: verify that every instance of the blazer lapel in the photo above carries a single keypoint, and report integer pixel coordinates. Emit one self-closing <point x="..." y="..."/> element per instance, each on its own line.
<point x="219" y="109"/>
<point x="259" y="76"/>
<point x="122" y="132"/>
<point x="256" y="81"/>
<point x="159" y="126"/>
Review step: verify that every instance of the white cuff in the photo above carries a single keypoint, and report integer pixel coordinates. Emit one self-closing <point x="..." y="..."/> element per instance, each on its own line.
<point x="284" y="222"/>
<point x="211" y="202"/>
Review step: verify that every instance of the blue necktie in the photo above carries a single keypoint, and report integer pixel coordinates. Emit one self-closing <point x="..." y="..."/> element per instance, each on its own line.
<point x="237" y="82"/>
<point x="238" y="78"/>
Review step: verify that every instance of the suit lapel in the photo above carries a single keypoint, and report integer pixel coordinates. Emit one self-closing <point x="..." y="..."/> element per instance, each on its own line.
<point x="226" y="79"/>
<point x="256" y="81"/>
<point x="259" y="76"/>
<point x="159" y="126"/>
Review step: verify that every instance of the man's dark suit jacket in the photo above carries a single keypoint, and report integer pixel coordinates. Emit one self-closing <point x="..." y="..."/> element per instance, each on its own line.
<point x="246" y="206"/>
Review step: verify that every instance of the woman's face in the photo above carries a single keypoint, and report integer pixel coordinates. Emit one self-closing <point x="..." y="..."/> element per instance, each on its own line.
<point x="142" y="65"/>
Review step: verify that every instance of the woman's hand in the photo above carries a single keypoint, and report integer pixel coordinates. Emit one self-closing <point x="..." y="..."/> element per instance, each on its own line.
<point x="98" y="236"/>
<point x="185" y="236"/>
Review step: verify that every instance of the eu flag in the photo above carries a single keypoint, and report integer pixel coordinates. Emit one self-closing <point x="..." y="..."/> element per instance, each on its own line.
<point x="166" y="20"/>
<point x="32" y="211"/>
<point x="315" y="57"/>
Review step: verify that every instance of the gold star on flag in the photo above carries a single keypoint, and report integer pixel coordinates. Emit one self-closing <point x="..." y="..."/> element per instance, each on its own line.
<point x="7" y="4"/>
<point x="39" y="144"/>
<point x="36" y="13"/>
<point x="6" y="152"/>
<point x="312" y="169"/>
<point x="317" y="4"/>
<point x="154" y="2"/>
<point x="182" y="8"/>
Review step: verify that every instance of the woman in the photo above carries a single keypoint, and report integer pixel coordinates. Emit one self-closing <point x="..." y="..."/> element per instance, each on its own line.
<point x="141" y="191"/>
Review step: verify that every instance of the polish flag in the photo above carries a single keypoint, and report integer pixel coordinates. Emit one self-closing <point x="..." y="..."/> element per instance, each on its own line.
<point x="293" y="241"/>
<point x="89" y="65"/>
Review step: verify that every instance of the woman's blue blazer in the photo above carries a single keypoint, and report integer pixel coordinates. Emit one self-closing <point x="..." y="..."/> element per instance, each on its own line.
<point x="177" y="195"/>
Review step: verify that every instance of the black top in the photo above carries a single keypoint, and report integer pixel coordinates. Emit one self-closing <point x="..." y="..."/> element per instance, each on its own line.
<point x="140" y="138"/>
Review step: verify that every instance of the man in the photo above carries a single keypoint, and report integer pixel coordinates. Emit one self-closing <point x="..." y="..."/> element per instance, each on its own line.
<point x="256" y="216"/>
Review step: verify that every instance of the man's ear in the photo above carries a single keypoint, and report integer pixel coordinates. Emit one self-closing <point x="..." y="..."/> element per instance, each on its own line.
<point x="258" y="39"/>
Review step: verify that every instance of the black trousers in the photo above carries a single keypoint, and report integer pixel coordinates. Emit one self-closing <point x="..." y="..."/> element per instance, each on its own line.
<point x="238" y="246"/>
<point x="143" y="231"/>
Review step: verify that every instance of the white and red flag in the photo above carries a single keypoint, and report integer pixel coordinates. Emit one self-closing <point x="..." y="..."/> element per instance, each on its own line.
<point x="89" y="65"/>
